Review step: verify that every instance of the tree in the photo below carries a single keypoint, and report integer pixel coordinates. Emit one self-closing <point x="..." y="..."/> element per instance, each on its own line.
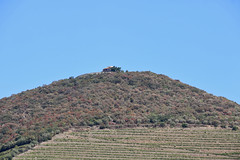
<point x="116" y="69"/>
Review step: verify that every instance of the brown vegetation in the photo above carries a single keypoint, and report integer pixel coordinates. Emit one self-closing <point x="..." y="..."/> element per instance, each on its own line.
<point x="105" y="99"/>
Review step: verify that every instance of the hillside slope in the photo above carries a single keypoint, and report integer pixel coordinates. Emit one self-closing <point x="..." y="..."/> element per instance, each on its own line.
<point x="107" y="99"/>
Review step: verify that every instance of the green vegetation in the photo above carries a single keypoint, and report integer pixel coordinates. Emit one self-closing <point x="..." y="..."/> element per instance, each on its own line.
<point x="116" y="69"/>
<point x="184" y="125"/>
<point x="234" y="128"/>
<point x="107" y="100"/>
<point x="140" y="143"/>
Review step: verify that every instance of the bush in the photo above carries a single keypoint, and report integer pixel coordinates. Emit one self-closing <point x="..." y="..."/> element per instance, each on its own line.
<point x="162" y="124"/>
<point x="223" y="126"/>
<point x="215" y="123"/>
<point x="184" y="125"/>
<point x="44" y="137"/>
<point x="153" y="118"/>
<point x="102" y="126"/>
<point x="172" y="124"/>
<point x="7" y="146"/>
<point x="234" y="128"/>
<point x="23" y="141"/>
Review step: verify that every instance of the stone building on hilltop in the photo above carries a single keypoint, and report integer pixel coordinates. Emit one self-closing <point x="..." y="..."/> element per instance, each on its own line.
<point x="108" y="69"/>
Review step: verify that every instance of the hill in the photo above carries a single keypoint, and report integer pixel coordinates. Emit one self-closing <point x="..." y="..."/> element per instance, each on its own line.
<point x="107" y="100"/>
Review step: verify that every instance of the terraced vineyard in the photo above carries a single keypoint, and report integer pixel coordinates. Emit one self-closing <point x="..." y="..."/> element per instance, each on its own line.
<point x="140" y="143"/>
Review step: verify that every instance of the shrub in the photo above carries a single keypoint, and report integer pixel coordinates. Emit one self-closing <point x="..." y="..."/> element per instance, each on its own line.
<point x="184" y="125"/>
<point x="172" y="124"/>
<point x="162" y="124"/>
<point x="215" y="123"/>
<point x="191" y="121"/>
<point x="153" y="118"/>
<point x="234" y="128"/>
<point x="102" y="127"/>
<point x="223" y="126"/>
<point x="7" y="146"/>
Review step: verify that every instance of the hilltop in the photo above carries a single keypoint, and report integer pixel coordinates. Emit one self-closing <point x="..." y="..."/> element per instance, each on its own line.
<point x="107" y="100"/>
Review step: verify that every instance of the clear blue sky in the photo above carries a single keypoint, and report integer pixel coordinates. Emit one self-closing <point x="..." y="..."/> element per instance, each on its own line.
<point x="195" y="41"/>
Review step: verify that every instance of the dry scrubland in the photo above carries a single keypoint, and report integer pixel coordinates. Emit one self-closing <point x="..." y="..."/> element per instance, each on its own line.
<point x="106" y="100"/>
<point x="140" y="143"/>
